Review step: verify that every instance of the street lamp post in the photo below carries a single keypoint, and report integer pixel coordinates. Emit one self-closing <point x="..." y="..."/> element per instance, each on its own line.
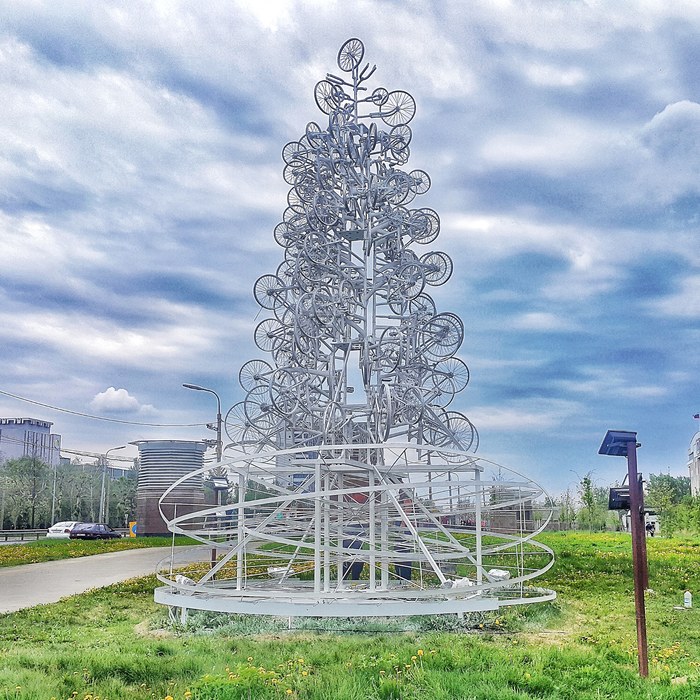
<point x="219" y="444"/>
<point x="103" y="489"/>
<point x="219" y="450"/>
<point x="623" y="443"/>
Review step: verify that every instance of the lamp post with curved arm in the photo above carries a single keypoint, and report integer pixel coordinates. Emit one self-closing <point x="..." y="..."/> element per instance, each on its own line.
<point x="219" y="444"/>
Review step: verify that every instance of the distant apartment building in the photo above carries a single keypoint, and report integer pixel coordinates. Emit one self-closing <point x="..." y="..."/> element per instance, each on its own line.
<point x="29" y="437"/>
<point x="694" y="464"/>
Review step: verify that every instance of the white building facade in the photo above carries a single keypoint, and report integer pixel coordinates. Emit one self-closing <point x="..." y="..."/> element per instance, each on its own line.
<point x="29" y="437"/>
<point x="694" y="464"/>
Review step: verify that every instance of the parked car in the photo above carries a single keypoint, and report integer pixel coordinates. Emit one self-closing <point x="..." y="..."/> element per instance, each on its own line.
<point x="61" y="531"/>
<point x="93" y="531"/>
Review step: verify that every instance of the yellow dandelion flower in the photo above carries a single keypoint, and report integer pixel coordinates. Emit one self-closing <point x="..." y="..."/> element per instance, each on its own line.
<point x="188" y="694"/>
<point x="413" y="658"/>
<point x="420" y="652"/>
<point x="250" y="658"/>
<point x="304" y="673"/>
<point x="289" y="691"/>
<point x="169" y="697"/>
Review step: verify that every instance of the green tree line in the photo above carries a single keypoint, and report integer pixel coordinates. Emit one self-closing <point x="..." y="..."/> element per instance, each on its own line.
<point x="669" y="497"/>
<point x="31" y="492"/>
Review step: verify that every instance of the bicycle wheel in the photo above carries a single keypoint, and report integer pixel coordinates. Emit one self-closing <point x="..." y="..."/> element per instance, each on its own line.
<point x="350" y="55"/>
<point x="455" y="370"/>
<point x="315" y="135"/>
<point x="399" y="138"/>
<point x="326" y="96"/>
<point x="424" y="225"/>
<point x="269" y="333"/>
<point x="323" y="307"/>
<point x="388" y="351"/>
<point x="458" y="433"/>
<point x="399" y="108"/>
<point x="260" y="411"/>
<point x="317" y="247"/>
<point x="295" y="202"/>
<point x="370" y="137"/>
<point x="397" y="187"/>
<point x="291" y="153"/>
<point x="238" y="428"/>
<point x="410" y="280"/>
<point x="379" y="96"/>
<point x="421" y="180"/>
<point x="306" y="322"/>
<point x="382" y="415"/>
<point x="269" y="291"/>
<point x="409" y="405"/>
<point x="326" y="207"/>
<point x="441" y="336"/>
<point x="438" y="268"/>
<point x="333" y="420"/>
<point x="253" y="374"/>
<point x="439" y="392"/>
<point x="423" y="306"/>
<point x="287" y="390"/>
<point x="282" y="235"/>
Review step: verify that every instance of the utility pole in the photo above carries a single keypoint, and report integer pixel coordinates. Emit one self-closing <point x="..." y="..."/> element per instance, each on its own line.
<point x="104" y="507"/>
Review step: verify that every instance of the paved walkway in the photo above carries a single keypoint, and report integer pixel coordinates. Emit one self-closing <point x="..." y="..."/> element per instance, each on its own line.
<point x="35" y="584"/>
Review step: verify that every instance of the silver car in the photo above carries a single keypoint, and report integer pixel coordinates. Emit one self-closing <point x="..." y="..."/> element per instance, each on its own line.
<point x="61" y="531"/>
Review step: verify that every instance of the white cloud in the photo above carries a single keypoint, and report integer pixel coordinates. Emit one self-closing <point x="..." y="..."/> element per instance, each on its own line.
<point x="524" y="416"/>
<point x="623" y="382"/>
<point x="685" y="303"/>
<point x="555" y="76"/>
<point x="113" y="400"/>
<point x="556" y="143"/>
<point x="542" y="321"/>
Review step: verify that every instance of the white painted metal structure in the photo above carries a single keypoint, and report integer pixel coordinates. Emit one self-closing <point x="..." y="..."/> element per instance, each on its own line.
<point x="357" y="488"/>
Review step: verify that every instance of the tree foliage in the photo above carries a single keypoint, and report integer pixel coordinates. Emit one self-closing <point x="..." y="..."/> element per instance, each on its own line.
<point x="28" y="496"/>
<point x="670" y="497"/>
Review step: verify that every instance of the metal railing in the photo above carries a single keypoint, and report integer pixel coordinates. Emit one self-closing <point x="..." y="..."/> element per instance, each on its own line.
<point x="7" y="535"/>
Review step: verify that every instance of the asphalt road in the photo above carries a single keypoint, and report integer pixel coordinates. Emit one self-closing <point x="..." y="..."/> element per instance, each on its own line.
<point x="35" y="584"/>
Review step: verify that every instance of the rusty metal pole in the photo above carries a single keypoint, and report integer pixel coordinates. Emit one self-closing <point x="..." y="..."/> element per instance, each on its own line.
<point x="639" y="556"/>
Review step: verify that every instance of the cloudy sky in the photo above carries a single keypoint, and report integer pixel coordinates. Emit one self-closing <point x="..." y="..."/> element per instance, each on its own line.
<point x="141" y="178"/>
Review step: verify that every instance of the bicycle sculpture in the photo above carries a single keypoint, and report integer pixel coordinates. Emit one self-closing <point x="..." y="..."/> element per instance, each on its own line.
<point x="357" y="490"/>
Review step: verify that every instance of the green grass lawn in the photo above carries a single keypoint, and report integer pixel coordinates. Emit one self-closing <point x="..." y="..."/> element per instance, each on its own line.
<point x="115" y="643"/>
<point x="51" y="550"/>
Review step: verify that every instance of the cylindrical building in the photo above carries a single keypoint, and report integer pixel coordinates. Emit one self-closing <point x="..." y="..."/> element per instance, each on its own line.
<point x="161" y="464"/>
